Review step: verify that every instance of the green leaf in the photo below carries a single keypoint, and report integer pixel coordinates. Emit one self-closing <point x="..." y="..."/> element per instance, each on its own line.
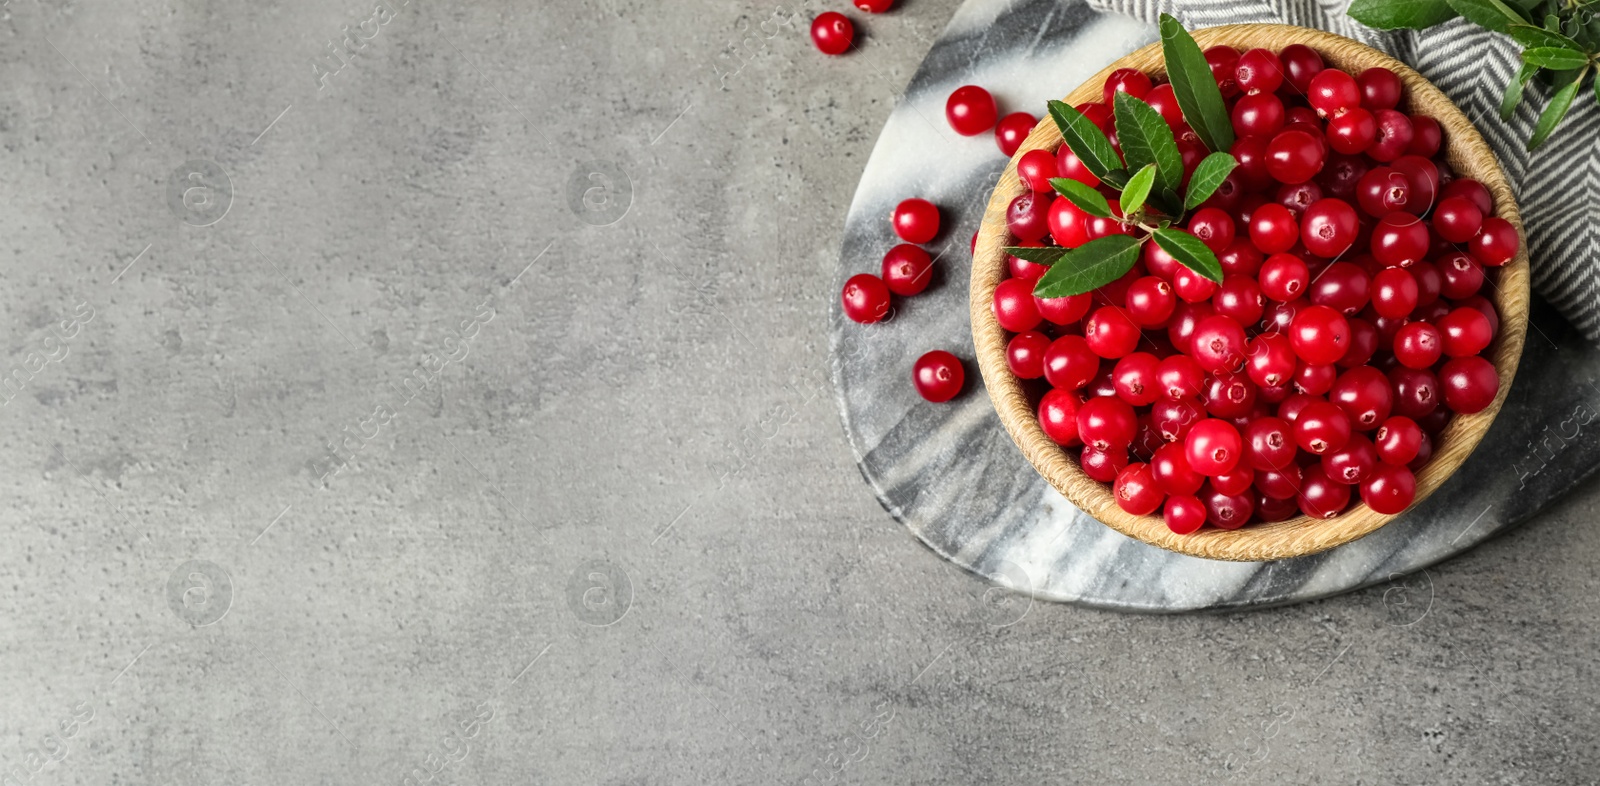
<point x="1395" y="14"/>
<point x="1513" y="96"/>
<point x="1555" y="58"/>
<point x="1190" y="251"/>
<point x="1528" y="35"/>
<point x="1147" y="139"/>
<point x="1491" y="14"/>
<point x="1209" y="174"/>
<point x="1085" y="197"/>
<point x="1138" y="189"/>
<point x="1089" y="266"/>
<point x="1197" y="92"/>
<point x="1555" y="110"/>
<point x="1086" y="140"/>
<point x="1044" y="255"/>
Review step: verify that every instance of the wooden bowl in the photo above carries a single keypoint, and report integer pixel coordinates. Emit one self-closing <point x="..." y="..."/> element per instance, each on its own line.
<point x="1466" y="153"/>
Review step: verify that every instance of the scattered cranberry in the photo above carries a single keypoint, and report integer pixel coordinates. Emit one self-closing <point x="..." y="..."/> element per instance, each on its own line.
<point x="866" y="298"/>
<point x="907" y="269"/>
<point x="832" y="32"/>
<point x="938" y="376"/>
<point x="874" y="6"/>
<point x="916" y="220"/>
<point x="1011" y="130"/>
<point x="970" y="110"/>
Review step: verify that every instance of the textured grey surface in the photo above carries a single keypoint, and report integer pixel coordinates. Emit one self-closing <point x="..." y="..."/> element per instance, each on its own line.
<point x="644" y="426"/>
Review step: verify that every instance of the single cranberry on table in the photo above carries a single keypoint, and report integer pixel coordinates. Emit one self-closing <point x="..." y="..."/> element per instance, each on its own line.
<point x="970" y="110"/>
<point x="907" y="269"/>
<point x="865" y="298"/>
<point x="832" y="33"/>
<point x="916" y="220"/>
<point x="939" y="376"/>
<point x="1012" y="130"/>
<point x="874" y="6"/>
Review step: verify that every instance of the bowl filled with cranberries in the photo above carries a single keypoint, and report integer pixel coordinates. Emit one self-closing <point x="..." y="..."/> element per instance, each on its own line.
<point x="1250" y="293"/>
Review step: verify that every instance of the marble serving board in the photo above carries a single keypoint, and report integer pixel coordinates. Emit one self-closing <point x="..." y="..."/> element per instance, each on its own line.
<point x="951" y="474"/>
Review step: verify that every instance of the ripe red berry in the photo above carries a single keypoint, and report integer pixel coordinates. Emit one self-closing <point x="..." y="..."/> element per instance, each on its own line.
<point x="1213" y="227"/>
<point x="1380" y="88"/>
<point x="1301" y="64"/>
<point x="1173" y="419"/>
<point x="1014" y="308"/>
<point x="1321" y="427"/>
<point x="1136" y="380"/>
<point x="1400" y="239"/>
<point x="938" y="376"/>
<point x="1069" y="226"/>
<point x="907" y="269"/>
<point x="970" y="110"/>
<point x="1389" y="489"/>
<point x="1271" y="360"/>
<point x="1135" y="490"/>
<point x="1273" y="228"/>
<point x="916" y="220"/>
<point x="1132" y="81"/>
<point x="1284" y="277"/>
<point x="1011" y="130"/>
<point x="1230" y="395"/>
<point x="1218" y="344"/>
<point x="1165" y="102"/>
<point x="1150" y="301"/>
<point x="1496" y="242"/>
<point x="1260" y="114"/>
<point x="1240" y="258"/>
<point x="1028" y="215"/>
<point x="1418" y="345"/>
<point x="1294" y="156"/>
<point x="1332" y="92"/>
<point x="1394" y="292"/>
<point x="1351" y="463"/>
<point x="865" y="298"/>
<point x="1110" y="332"/>
<point x="1394" y="135"/>
<point x="1025" y="354"/>
<point x="1319" y="334"/>
<point x="1069" y="363"/>
<point x="832" y="32"/>
<point x="1022" y="268"/>
<point x="1416" y="392"/>
<point x="1473" y="190"/>
<point x="1382" y="191"/>
<point x="1363" y="393"/>
<point x="1259" y="71"/>
<point x="1224" y="64"/>
<point x="874" y="6"/>
<point x="1398" y="440"/>
<point x="1465" y="331"/>
<point x="1107" y="423"/>
<point x="1469" y="384"/>
<point x="1328" y="227"/>
<point x="1279" y="483"/>
<point x="1035" y="168"/>
<point x="1239" y="297"/>
<point x="1352" y="132"/>
<point x="1457" y="219"/>
<point x="1426" y="136"/>
<point x="1320" y="497"/>
<point x="1064" y="310"/>
<point x="1227" y="511"/>
<point x="1102" y="465"/>
<point x="1184" y="515"/>
<point x="1058" y="416"/>
<point x="1269" y="444"/>
<point x="1212" y="446"/>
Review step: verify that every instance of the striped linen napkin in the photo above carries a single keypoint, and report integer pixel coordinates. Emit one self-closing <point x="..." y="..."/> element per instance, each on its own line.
<point x="1557" y="186"/>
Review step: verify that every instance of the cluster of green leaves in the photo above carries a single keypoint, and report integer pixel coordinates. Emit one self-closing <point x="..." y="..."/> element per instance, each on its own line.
<point x="1149" y="175"/>
<point x="1560" y="40"/>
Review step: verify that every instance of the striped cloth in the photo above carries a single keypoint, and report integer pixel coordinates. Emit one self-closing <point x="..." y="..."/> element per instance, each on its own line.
<point x="1557" y="186"/>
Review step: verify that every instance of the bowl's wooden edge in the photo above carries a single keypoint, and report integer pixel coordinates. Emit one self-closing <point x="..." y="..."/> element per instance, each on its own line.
<point x="1467" y="154"/>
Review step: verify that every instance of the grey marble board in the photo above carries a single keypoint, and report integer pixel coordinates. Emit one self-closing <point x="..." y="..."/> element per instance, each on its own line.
<point x="952" y="475"/>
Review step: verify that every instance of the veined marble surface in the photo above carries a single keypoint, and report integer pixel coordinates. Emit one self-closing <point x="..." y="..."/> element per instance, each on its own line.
<point x="952" y="475"/>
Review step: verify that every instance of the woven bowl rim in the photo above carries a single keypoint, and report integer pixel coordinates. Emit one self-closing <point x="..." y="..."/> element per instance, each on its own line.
<point x="1467" y="154"/>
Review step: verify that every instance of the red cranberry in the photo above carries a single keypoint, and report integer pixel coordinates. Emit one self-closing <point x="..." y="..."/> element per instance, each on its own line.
<point x="1363" y="393"/>
<point x="1014" y="307"/>
<point x="1394" y="135"/>
<point x="1022" y="268"/>
<point x="1301" y="64"/>
<point x="1320" y="427"/>
<point x="1351" y="463"/>
<point x="1485" y="308"/>
<point x="1423" y="175"/>
<point x="1430" y="283"/>
<point x="1173" y="418"/>
<point x="1069" y="363"/>
<point x="1269" y="444"/>
<point x="1464" y="331"/>
<point x="1382" y="191"/>
<point x="1110" y="332"/>
<point x="1213" y="227"/>
<point x="1400" y="239"/>
<point x="1279" y="483"/>
<point x="1426" y="136"/>
<point x="1363" y="344"/>
<point x="1260" y="114"/>
<point x="1496" y="242"/>
<point x="938" y="376"/>
<point x="865" y="298"/>
<point x="1380" y="88"/>
<point x="1394" y="292"/>
<point x="1185" y="316"/>
<point x="1069" y="226"/>
<point x="1328" y="227"/>
<point x="1212" y="446"/>
<point x="970" y="110"/>
<point x="874" y="6"/>
<point x="1150" y="301"/>
<point x="1294" y="156"/>
<point x="1028" y="215"/>
<point x="1352" y="132"/>
<point x="1132" y="81"/>
<point x="1457" y="219"/>
<point x="1333" y="92"/>
<point x="1218" y="344"/>
<point x="1025" y="354"/>
<point x="1035" y="168"/>
<point x="1341" y="174"/>
<point x="1064" y="310"/>
<point x="1012" y="130"/>
<point x="1259" y="71"/>
<point x="1165" y="102"/>
<point x="1273" y="228"/>
<point x="1226" y="511"/>
<point x="1224" y="64"/>
<point x="1389" y="489"/>
<point x="1184" y="515"/>
<point x="1235" y="481"/>
<point x="1106" y="423"/>
<point x="1270" y="510"/>
<point x="1319" y="335"/>
<point x="1058" y="416"/>
<point x="1470" y="189"/>
<point x="1179" y="376"/>
<point x="1240" y="258"/>
<point x="1315" y="380"/>
<point x="1102" y="465"/>
<point x="1271" y="360"/>
<point x="1136" y="379"/>
<point x="1418" y="345"/>
<point x="832" y="32"/>
<point x="1469" y="384"/>
<point x="1239" y="297"/>
<point x="916" y="220"/>
<point x="1300" y="196"/>
<point x="1251" y="153"/>
<point x="1135" y="490"/>
<point x="907" y="269"/>
<point x="1398" y="440"/>
<point x="1284" y="277"/>
<point x="1191" y="287"/>
<point x="1424" y="454"/>
<point x="1416" y="392"/>
<point x="1230" y="396"/>
<point x="1320" y="497"/>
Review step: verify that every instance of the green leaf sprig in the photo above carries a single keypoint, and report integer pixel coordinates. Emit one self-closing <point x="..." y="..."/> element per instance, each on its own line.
<point x="1560" y="40"/>
<point x="1148" y="173"/>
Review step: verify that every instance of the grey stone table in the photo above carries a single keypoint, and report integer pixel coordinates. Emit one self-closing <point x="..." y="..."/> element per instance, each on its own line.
<point x="622" y="540"/>
<point x="952" y="475"/>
